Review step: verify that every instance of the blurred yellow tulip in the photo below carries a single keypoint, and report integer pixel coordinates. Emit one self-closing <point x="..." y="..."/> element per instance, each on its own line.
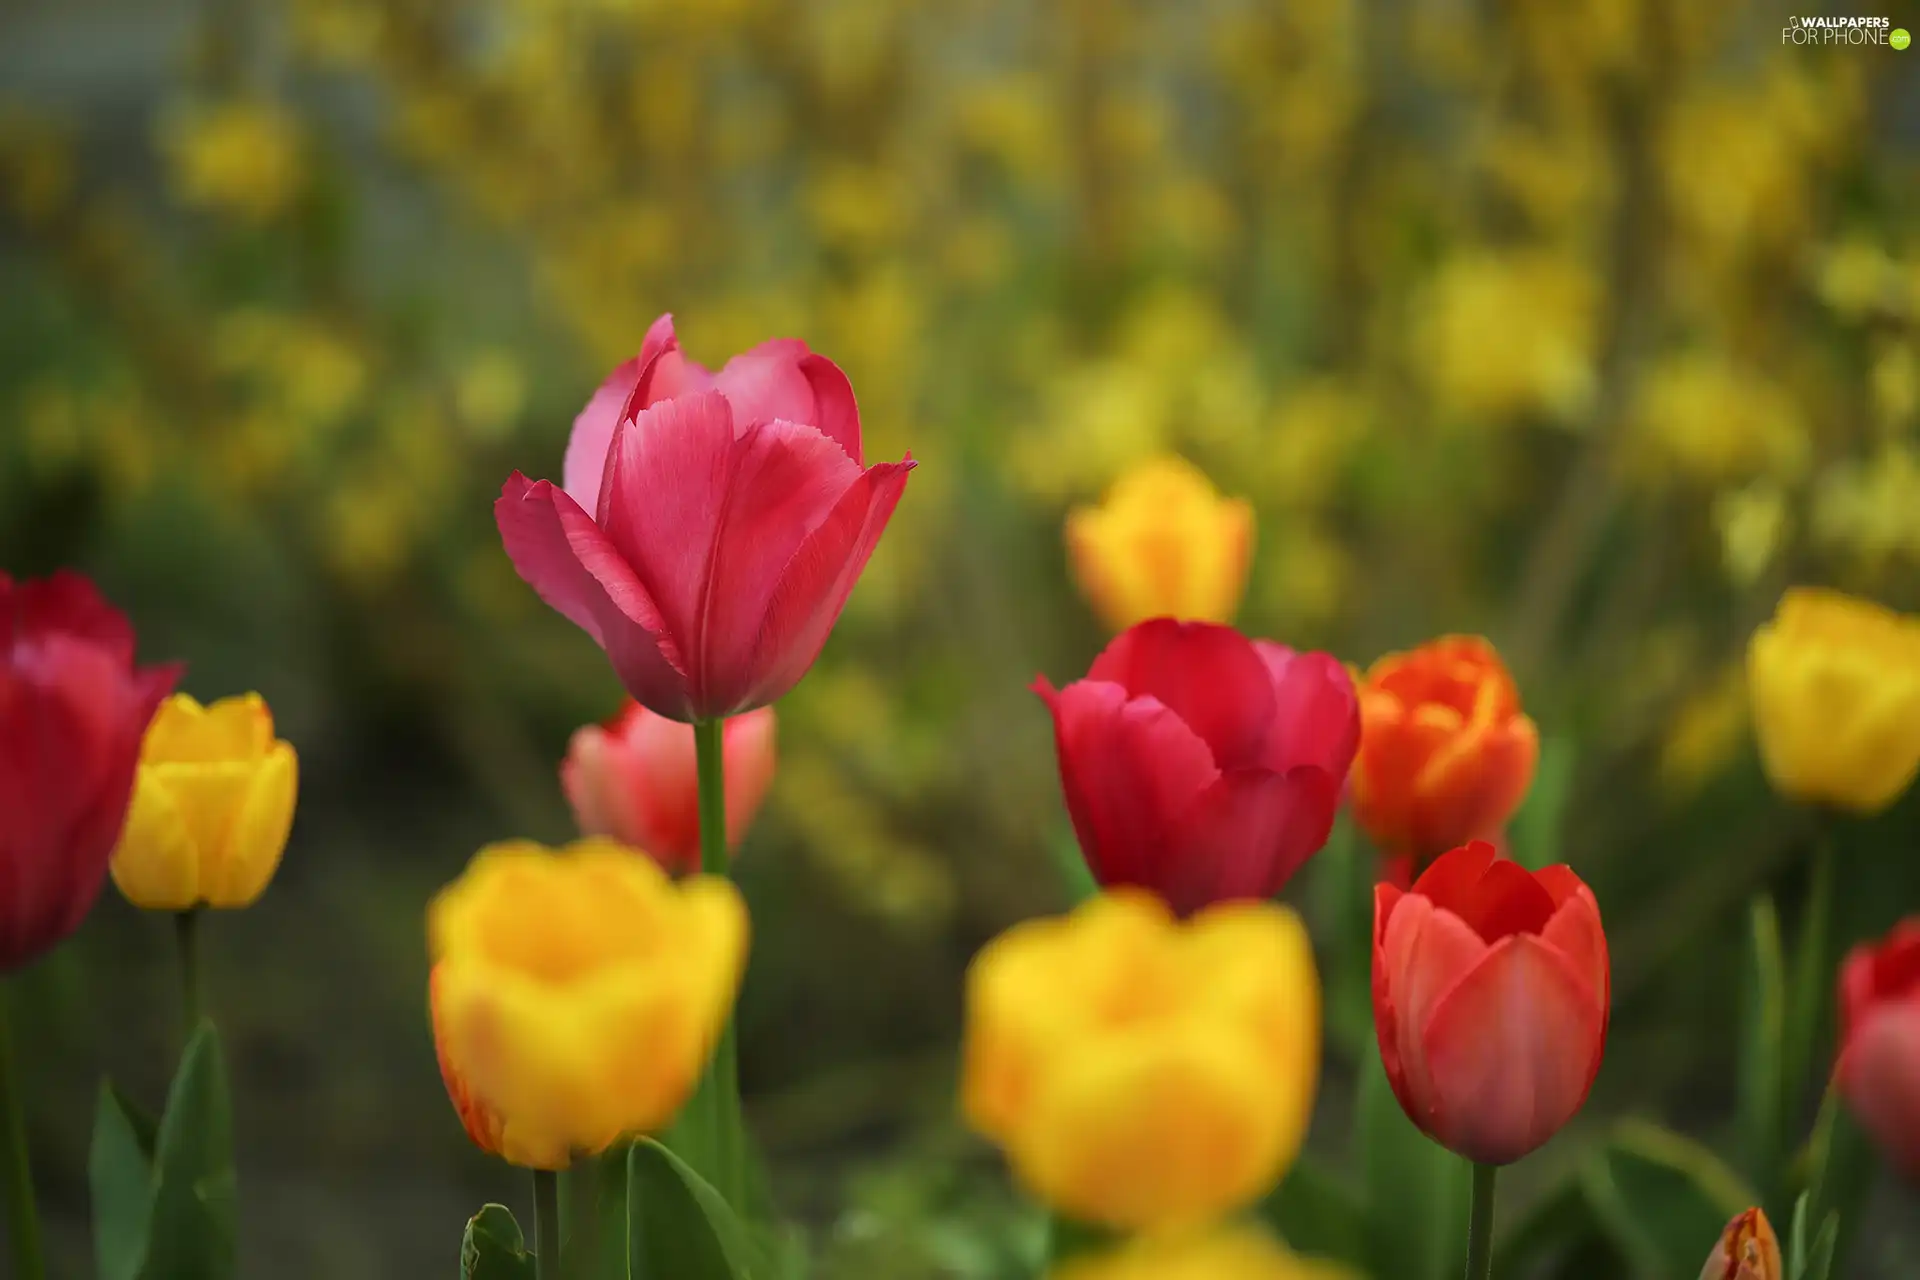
<point x="1216" y="1255"/>
<point x="1165" y="543"/>
<point x="1835" y="683"/>
<point x="1142" y="1072"/>
<point x="212" y="805"/>
<point x="1747" y="1250"/>
<point x="577" y="994"/>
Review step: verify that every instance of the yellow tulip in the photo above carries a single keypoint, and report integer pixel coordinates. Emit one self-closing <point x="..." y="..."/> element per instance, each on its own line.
<point x="1142" y="1072"/>
<point x="1835" y="683"/>
<point x="577" y="994"/>
<point x="1164" y="544"/>
<point x="1217" y="1255"/>
<point x="212" y="804"/>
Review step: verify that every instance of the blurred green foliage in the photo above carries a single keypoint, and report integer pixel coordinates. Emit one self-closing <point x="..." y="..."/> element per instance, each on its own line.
<point x="1584" y="324"/>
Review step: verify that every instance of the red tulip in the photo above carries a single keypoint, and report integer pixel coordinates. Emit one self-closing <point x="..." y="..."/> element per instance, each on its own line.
<point x="636" y="779"/>
<point x="712" y="525"/>
<point x="1200" y="764"/>
<point x="1879" y="1067"/>
<point x="73" y="709"/>
<point x="1490" y="1000"/>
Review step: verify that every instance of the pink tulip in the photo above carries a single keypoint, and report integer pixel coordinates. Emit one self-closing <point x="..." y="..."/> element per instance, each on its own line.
<point x="636" y="779"/>
<point x="1879" y="1067"/>
<point x="711" y="526"/>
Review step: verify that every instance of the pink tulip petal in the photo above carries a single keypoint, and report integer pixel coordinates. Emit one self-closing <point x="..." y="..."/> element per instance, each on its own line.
<point x="748" y="744"/>
<point x="586" y="458"/>
<point x="576" y="569"/>
<point x="668" y="478"/>
<point x="816" y="582"/>
<point x="1210" y="675"/>
<point x="1316" y="711"/>
<point x="66" y="603"/>
<point x="1246" y="835"/>
<point x="1126" y="767"/>
<point x="1424" y="953"/>
<point x="766" y="383"/>
<point x="787" y="481"/>
<point x="665" y="372"/>
<point x="1880" y="1074"/>
<point x="835" y="412"/>
<point x="1512" y="1050"/>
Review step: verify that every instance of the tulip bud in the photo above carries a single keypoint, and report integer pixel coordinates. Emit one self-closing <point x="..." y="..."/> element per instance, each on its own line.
<point x="1218" y="1254"/>
<point x="72" y="710"/>
<point x="1836" y="700"/>
<point x="637" y="779"/>
<point x="577" y="994"/>
<point x="1141" y="1072"/>
<point x="1446" y="756"/>
<point x="212" y="807"/>
<point x="1747" y="1250"/>
<point x="1490" y="1000"/>
<point x="1164" y="544"/>
<point x="1879" y="1066"/>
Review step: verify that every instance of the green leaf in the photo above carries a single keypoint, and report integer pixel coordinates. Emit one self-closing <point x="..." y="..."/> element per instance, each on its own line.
<point x="1844" y="1166"/>
<point x="1318" y="1213"/>
<point x="680" y="1228"/>
<point x="1663" y="1198"/>
<point x="1071" y="865"/>
<point x="1820" y="1254"/>
<point x="1341" y="888"/>
<point x="594" y="1195"/>
<point x="1762" y="1110"/>
<point x="1534" y="834"/>
<point x="193" y="1229"/>
<point x="1804" y="1034"/>
<point x="1417" y="1192"/>
<point x="1797" y="1240"/>
<point x="1067" y="1238"/>
<point x="493" y="1247"/>
<point x="120" y="1177"/>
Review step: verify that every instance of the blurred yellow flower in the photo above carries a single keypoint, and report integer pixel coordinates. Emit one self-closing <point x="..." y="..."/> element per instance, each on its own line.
<point x="1872" y="505"/>
<point x="1835" y="682"/>
<point x="1220" y="1254"/>
<point x="1141" y="1072"/>
<point x="1857" y="278"/>
<point x="1896" y="385"/>
<point x="1753" y="525"/>
<point x="1706" y="732"/>
<point x="578" y="993"/>
<point x="242" y="157"/>
<point x="1313" y="431"/>
<point x="1015" y="120"/>
<point x="1306" y="574"/>
<point x="1499" y="334"/>
<point x="1706" y="419"/>
<point x="1163" y="544"/>
<point x="490" y="392"/>
<point x="212" y="805"/>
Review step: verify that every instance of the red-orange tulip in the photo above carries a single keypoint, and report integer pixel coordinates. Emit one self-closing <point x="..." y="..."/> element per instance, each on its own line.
<point x="1490" y="999"/>
<point x="1446" y="754"/>
<point x="1879" y="1069"/>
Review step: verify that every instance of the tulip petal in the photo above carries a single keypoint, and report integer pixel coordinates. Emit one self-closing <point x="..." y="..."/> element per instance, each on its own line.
<point x="1505" y="900"/>
<point x="1476" y="781"/>
<point x="665" y="373"/>
<point x="559" y="552"/>
<point x="1512" y="1049"/>
<point x="1126" y="767"/>
<point x="1316" y="712"/>
<point x="259" y="834"/>
<point x="1422" y="954"/>
<point x="788" y="479"/>
<point x="1208" y="674"/>
<point x="63" y="603"/>
<point x="586" y="458"/>
<point x="836" y="414"/>
<point x="1575" y="928"/>
<point x="769" y="382"/>
<point x="1247" y="834"/>
<point x="816" y="582"/>
<point x="1880" y="1072"/>
<point x="155" y="863"/>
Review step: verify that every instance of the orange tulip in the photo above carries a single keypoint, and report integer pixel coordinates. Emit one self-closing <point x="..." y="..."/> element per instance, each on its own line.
<point x="1748" y="1250"/>
<point x="1446" y="755"/>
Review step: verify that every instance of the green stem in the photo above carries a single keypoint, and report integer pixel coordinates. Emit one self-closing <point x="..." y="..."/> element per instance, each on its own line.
<point x="720" y="1088"/>
<point x="546" y="1224"/>
<point x="23" y="1220"/>
<point x="1480" y="1225"/>
<point x="1812" y="979"/>
<point x="186" y="925"/>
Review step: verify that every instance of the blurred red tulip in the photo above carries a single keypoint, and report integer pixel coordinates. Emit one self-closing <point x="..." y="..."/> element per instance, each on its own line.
<point x="73" y="709"/>
<point x="712" y="525"/>
<point x="1200" y="764"/>
<point x="1490" y="999"/>
<point x="1879" y="1067"/>
<point x="1445" y="754"/>
<point x="637" y="779"/>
